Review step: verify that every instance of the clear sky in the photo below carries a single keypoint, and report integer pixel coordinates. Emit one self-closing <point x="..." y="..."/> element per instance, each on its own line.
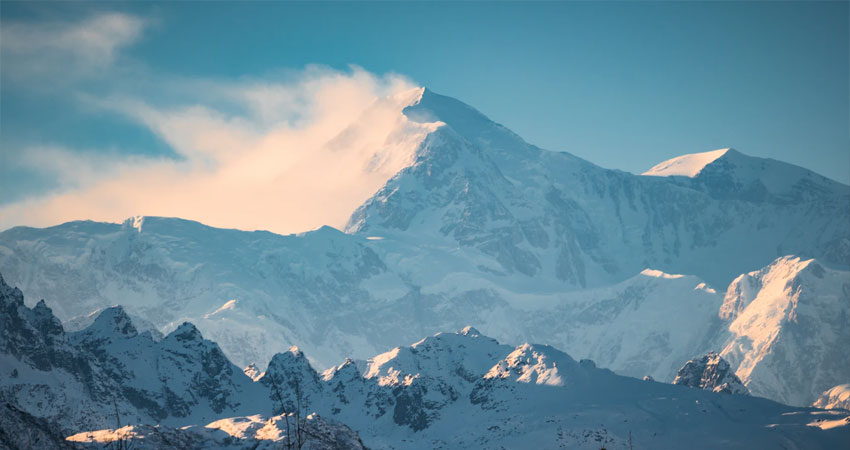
<point x="98" y="87"/>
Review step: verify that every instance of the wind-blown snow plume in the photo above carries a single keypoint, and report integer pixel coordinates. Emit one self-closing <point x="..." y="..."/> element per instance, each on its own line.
<point x="276" y="155"/>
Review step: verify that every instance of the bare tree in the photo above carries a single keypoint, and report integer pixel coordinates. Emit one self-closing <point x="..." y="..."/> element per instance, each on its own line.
<point x="122" y="441"/>
<point x="294" y="415"/>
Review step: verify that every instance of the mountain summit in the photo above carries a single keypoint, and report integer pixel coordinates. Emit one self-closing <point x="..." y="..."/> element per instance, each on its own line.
<point x="475" y="226"/>
<point x="685" y="165"/>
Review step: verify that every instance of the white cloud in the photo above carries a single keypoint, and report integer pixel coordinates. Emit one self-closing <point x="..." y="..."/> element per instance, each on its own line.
<point x="282" y="156"/>
<point x="66" y="50"/>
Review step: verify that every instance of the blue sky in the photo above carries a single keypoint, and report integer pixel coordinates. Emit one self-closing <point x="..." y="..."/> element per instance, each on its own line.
<point x="624" y="85"/>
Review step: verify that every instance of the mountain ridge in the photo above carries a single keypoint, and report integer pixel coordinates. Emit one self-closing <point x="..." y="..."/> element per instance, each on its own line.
<point x="481" y="227"/>
<point x="460" y="387"/>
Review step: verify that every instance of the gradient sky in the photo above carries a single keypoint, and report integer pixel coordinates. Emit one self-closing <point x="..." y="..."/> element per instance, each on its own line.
<point x="624" y="85"/>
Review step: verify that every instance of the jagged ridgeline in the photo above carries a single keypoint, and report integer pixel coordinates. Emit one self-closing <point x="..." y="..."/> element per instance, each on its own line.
<point x="709" y="252"/>
<point x="109" y="382"/>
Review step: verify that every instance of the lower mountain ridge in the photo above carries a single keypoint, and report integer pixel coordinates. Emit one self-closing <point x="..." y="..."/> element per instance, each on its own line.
<point x="109" y="381"/>
<point x="479" y="226"/>
<point x="336" y="295"/>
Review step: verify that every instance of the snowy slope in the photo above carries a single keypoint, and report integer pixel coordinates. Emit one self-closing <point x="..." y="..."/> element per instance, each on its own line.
<point x="834" y="397"/>
<point x="465" y="389"/>
<point x="552" y="216"/>
<point x="87" y="378"/>
<point x="685" y="165"/>
<point x="478" y="227"/>
<point x="789" y="329"/>
<point x="445" y="391"/>
<point x="180" y="379"/>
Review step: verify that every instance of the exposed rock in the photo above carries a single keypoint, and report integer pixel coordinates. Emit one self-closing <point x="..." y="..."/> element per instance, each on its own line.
<point x="712" y="373"/>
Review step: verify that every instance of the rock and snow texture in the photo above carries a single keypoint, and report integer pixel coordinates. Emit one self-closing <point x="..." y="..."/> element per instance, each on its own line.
<point x="476" y="226"/>
<point x="459" y="389"/>
<point x="109" y="373"/>
<point x="788" y="329"/>
<point x="69" y="377"/>
<point x="836" y="397"/>
<point x="710" y="372"/>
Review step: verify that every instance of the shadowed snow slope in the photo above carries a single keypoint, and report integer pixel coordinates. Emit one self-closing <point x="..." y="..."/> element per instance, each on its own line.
<point x="478" y="226"/>
<point x="458" y="390"/>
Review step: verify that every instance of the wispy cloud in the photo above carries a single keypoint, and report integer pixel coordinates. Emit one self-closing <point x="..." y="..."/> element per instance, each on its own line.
<point x="285" y="156"/>
<point x="69" y="49"/>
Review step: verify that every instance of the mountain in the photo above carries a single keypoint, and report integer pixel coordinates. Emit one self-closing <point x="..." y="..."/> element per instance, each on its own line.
<point x="835" y="397"/>
<point x="712" y="373"/>
<point x="69" y="377"/>
<point x="550" y="215"/>
<point x="788" y="324"/>
<point x="447" y="390"/>
<point x="477" y="227"/>
<point x="181" y="378"/>
<point x="56" y="383"/>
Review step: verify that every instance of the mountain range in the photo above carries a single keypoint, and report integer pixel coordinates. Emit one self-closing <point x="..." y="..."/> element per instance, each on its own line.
<point x="717" y="251"/>
<point x="446" y="390"/>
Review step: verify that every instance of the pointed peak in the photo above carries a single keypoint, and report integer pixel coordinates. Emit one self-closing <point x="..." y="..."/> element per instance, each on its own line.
<point x="113" y="320"/>
<point x="469" y="331"/>
<point x="687" y="165"/>
<point x="42" y="311"/>
<point x="10" y="294"/>
<point x="348" y="370"/>
<point x="538" y="364"/>
<point x="411" y="96"/>
<point x="710" y="372"/>
<point x="185" y="332"/>
<point x="286" y="362"/>
<point x="462" y="118"/>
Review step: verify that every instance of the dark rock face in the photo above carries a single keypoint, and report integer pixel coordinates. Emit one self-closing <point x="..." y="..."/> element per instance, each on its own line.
<point x="110" y="369"/>
<point x="19" y="429"/>
<point x="712" y="373"/>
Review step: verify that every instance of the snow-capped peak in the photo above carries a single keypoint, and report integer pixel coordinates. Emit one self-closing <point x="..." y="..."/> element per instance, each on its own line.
<point x="346" y="371"/>
<point x="536" y="364"/>
<point x="409" y="97"/>
<point x="185" y="332"/>
<point x="470" y="331"/>
<point x="686" y="165"/>
<point x="784" y="322"/>
<point x="113" y="320"/>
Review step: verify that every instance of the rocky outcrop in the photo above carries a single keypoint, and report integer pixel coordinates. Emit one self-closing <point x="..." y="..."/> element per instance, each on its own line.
<point x="712" y="373"/>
